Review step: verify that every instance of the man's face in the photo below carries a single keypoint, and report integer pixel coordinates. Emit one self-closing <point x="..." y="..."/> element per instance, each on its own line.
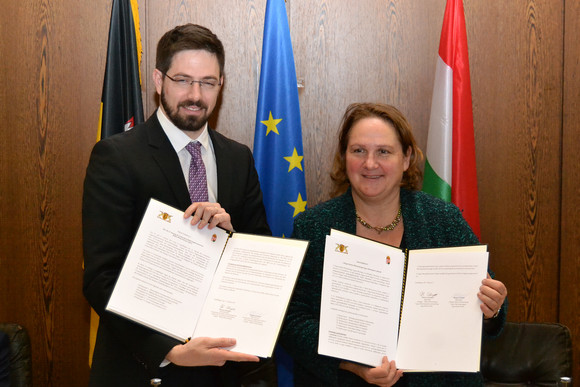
<point x="188" y="105"/>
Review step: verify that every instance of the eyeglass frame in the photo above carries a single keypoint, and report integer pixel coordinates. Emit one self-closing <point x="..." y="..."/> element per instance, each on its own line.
<point x="203" y="84"/>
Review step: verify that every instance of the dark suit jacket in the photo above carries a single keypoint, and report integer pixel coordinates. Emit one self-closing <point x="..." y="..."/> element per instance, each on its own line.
<point x="124" y="172"/>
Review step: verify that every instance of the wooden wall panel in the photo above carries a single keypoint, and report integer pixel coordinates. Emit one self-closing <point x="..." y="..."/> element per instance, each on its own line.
<point x="365" y="54"/>
<point x="515" y="55"/>
<point x="570" y="242"/>
<point x="52" y="57"/>
<point x="239" y="25"/>
<point x="53" y="60"/>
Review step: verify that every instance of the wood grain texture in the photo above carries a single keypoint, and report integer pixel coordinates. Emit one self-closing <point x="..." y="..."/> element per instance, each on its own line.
<point x="570" y="242"/>
<point x="517" y="100"/>
<point x="525" y="80"/>
<point x="239" y="25"/>
<point x="51" y="92"/>
<point x="348" y="55"/>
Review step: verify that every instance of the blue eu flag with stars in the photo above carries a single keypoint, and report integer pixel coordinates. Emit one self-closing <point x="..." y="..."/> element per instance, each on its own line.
<point x="278" y="139"/>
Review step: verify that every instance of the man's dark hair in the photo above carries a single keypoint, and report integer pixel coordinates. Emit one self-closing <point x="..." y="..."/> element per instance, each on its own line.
<point x="187" y="37"/>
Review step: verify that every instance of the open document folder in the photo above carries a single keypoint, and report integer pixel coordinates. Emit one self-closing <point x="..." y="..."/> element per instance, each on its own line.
<point x="417" y="307"/>
<point x="186" y="282"/>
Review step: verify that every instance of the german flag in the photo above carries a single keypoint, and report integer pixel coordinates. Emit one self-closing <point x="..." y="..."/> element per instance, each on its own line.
<point x="121" y="101"/>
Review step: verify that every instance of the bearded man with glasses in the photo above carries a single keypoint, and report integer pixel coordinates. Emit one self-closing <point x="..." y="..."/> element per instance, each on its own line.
<point x="153" y="160"/>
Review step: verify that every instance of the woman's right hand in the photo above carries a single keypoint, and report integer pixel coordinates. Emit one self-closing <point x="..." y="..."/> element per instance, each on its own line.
<point x="385" y="375"/>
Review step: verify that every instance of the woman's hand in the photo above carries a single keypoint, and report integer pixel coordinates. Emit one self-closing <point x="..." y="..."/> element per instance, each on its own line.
<point x="385" y="375"/>
<point x="492" y="294"/>
<point x="210" y="214"/>
<point x="206" y="351"/>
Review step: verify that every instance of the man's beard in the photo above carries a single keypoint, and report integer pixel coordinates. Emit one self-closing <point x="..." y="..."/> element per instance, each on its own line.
<point x="189" y="123"/>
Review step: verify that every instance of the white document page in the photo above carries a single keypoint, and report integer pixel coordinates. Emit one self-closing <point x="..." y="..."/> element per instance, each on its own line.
<point x="168" y="271"/>
<point x="441" y="321"/>
<point x="251" y="291"/>
<point x="361" y="298"/>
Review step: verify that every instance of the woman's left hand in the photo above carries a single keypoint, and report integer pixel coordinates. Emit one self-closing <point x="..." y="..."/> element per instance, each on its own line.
<point x="385" y="375"/>
<point x="492" y="294"/>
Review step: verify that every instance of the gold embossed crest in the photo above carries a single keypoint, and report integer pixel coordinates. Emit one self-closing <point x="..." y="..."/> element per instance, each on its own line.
<point x="164" y="216"/>
<point x="341" y="248"/>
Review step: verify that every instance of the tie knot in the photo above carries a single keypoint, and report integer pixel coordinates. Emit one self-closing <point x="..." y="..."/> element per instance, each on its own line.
<point x="194" y="148"/>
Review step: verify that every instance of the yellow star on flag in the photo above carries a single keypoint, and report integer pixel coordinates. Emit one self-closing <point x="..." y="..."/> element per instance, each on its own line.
<point x="299" y="205"/>
<point x="295" y="161"/>
<point x="271" y="124"/>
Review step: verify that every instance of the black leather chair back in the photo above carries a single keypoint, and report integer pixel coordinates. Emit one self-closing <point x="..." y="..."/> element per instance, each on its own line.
<point x="20" y="356"/>
<point x="527" y="354"/>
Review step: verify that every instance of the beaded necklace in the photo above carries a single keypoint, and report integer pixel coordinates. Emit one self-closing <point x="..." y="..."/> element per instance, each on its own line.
<point x="379" y="230"/>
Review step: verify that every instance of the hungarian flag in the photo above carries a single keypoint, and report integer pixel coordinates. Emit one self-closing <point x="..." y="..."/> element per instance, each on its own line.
<point x="450" y="171"/>
<point x="121" y="101"/>
<point x="278" y="140"/>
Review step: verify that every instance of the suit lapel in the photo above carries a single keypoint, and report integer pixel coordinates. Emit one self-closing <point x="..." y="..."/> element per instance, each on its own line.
<point x="223" y="165"/>
<point x="165" y="156"/>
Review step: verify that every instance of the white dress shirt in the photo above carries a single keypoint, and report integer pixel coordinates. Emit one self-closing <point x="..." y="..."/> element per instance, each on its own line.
<point x="179" y="139"/>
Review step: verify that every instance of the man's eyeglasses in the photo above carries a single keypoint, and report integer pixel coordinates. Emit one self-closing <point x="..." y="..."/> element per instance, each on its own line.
<point x="185" y="82"/>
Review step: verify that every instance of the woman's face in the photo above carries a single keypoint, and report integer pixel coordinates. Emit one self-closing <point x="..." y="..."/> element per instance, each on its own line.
<point x="374" y="160"/>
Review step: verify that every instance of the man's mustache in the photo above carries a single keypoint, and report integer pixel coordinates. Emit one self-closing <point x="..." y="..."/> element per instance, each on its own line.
<point x="189" y="103"/>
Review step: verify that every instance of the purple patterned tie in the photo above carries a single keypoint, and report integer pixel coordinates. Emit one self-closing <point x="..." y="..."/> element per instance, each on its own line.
<point x="197" y="178"/>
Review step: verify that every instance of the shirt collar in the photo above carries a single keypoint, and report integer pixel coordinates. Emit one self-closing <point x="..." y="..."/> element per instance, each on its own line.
<point x="177" y="137"/>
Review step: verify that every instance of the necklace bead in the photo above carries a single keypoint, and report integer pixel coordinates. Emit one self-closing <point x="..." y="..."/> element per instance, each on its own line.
<point x="379" y="230"/>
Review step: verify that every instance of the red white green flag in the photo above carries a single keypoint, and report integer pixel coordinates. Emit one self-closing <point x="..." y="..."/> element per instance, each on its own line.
<point x="450" y="170"/>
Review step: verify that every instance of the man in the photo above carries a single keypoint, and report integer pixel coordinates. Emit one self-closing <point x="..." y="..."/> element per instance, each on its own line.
<point x="153" y="160"/>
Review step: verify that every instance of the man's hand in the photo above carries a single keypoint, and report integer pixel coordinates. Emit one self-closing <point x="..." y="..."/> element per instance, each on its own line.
<point x="206" y="351"/>
<point x="210" y="214"/>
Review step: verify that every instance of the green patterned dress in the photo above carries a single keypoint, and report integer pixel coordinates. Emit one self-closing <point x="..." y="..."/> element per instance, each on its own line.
<point x="429" y="222"/>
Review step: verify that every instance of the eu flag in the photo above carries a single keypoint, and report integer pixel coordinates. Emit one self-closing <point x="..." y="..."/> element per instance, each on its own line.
<point x="278" y="138"/>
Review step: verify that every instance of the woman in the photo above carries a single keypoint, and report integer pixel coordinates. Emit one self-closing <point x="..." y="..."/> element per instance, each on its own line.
<point x="376" y="174"/>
